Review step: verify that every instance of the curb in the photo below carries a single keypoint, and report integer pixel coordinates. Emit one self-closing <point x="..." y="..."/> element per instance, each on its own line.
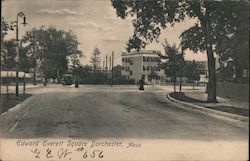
<point x="212" y="112"/>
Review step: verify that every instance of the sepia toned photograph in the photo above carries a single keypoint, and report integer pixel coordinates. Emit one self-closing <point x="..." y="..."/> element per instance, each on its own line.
<point x="122" y="80"/>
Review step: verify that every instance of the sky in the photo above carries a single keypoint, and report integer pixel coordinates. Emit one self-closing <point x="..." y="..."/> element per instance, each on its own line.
<point x="94" y="22"/>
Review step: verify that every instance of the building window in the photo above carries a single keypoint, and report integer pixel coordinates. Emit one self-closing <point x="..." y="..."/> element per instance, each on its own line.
<point x="131" y="72"/>
<point x="144" y="58"/>
<point x="153" y="68"/>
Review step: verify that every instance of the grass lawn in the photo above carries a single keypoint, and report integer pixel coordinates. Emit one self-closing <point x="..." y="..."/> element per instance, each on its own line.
<point x="7" y="103"/>
<point x="230" y="109"/>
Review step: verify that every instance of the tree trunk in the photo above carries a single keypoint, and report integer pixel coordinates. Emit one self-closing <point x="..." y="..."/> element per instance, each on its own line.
<point x="211" y="77"/>
<point x="211" y="97"/>
<point x="174" y="82"/>
<point x="7" y="84"/>
<point x="180" y="74"/>
<point x="34" y="77"/>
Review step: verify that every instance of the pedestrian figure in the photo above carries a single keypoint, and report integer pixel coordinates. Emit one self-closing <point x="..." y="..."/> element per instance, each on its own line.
<point x="76" y="84"/>
<point x="44" y="82"/>
<point x="141" y="84"/>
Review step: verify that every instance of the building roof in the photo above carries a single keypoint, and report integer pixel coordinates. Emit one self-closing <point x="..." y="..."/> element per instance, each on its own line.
<point x="13" y="74"/>
<point x="135" y="52"/>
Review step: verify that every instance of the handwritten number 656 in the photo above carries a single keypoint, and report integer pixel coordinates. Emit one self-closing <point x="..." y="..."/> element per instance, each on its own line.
<point x="94" y="154"/>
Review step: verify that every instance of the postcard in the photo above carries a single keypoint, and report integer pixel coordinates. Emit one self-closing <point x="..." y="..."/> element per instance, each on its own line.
<point x="143" y="80"/>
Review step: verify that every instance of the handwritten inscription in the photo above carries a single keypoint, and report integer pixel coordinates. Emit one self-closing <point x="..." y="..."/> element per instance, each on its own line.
<point x="66" y="154"/>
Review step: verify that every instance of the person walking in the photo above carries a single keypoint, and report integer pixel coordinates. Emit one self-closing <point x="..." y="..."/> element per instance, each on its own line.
<point x="141" y="84"/>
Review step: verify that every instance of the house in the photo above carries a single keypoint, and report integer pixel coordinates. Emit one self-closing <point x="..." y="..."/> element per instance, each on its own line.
<point x="142" y="63"/>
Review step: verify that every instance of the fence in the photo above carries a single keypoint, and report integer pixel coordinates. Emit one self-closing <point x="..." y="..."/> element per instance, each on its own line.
<point x="239" y="91"/>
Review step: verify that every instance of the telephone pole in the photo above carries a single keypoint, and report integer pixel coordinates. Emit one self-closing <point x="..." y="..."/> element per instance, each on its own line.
<point x="103" y="66"/>
<point x="110" y="59"/>
<point x="106" y="69"/>
<point x="112" y="75"/>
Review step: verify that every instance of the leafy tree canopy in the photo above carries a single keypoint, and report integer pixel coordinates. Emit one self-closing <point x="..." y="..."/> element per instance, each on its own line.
<point x="53" y="48"/>
<point x="95" y="59"/>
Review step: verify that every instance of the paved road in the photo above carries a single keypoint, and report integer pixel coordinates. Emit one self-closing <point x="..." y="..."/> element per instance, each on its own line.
<point x="118" y="112"/>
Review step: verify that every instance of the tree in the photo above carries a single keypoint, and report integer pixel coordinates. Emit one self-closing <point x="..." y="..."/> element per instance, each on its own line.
<point x="26" y="61"/>
<point x="8" y="57"/>
<point x="4" y="28"/>
<point x="75" y="63"/>
<point x="52" y="49"/>
<point x="214" y="19"/>
<point x="191" y="71"/>
<point x="171" y="66"/>
<point x="153" y="75"/>
<point x="235" y="45"/>
<point x="117" y="70"/>
<point x="95" y="60"/>
<point x="85" y="73"/>
<point x="236" y="48"/>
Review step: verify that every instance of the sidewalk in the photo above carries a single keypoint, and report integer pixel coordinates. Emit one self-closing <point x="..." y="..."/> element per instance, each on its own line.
<point x="198" y="98"/>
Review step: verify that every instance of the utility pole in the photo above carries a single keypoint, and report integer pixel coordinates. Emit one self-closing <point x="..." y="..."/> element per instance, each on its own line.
<point x="110" y="59"/>
<point x="17" y="59"/>
<point x="106" y="68"/>
<point x="20" y="14"/>
<point x="24" y="83"/>
<point x="103" y="66"/>
<point x="112" y="75"/>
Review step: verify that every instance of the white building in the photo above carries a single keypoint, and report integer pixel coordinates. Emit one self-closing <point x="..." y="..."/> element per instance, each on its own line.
<point x="136" y="64"/>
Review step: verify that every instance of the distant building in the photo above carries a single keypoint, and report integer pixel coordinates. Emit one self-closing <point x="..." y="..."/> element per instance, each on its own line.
<point x="10" y="77"/>
<point x="228" y="72"/>
<point x="143" y="63"/>
<point x="202" y="65"/>
<point x="202" y="69"/>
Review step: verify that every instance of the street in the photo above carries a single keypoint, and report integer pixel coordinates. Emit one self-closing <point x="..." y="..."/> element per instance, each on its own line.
<point x="91" y="112"/>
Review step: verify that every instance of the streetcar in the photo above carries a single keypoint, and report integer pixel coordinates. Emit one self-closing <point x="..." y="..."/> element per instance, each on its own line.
<point x="67" y="79"/>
